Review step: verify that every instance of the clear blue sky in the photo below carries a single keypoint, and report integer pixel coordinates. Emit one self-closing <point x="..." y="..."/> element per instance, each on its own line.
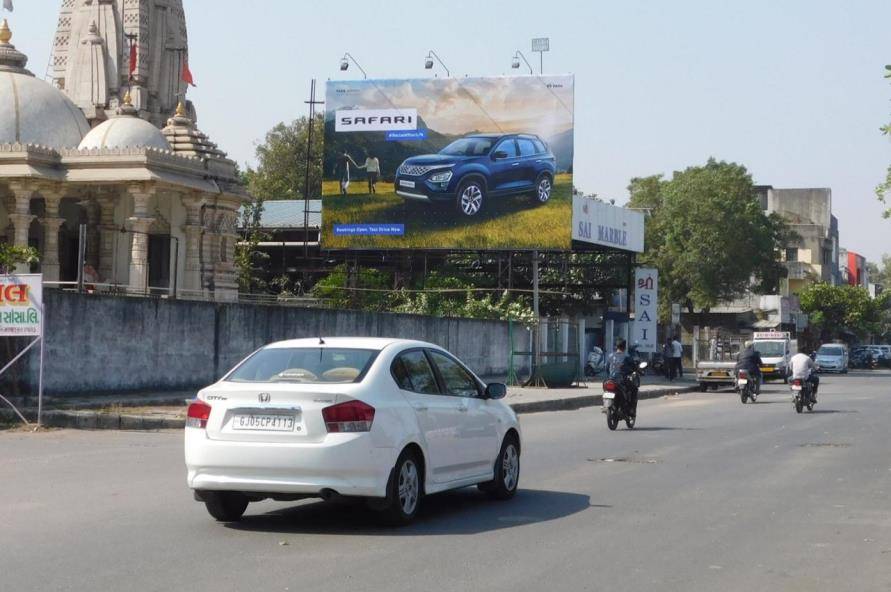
<point x="792" y="89"/>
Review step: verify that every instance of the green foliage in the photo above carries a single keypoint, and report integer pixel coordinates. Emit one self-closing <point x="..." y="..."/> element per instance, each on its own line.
<point x="11" y="256"/>
<point x="708" y="236"/>
<point x="837" y="309"/>
<point x="249" y="259"/>
<point x="881" y="275"/>
<point x="883" y="190"/>
<point x="362" y="289"/>
<point x="282" y="162"/>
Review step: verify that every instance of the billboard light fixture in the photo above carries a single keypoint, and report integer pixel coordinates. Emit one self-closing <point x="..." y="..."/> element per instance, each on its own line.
<point x="428" y="63"/>
<point x="515" y="62"/>
<point x="345" y="64"/>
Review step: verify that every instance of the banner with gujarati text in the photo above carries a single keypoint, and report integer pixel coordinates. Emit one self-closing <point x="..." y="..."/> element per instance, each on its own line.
<point x="21" y="305"/>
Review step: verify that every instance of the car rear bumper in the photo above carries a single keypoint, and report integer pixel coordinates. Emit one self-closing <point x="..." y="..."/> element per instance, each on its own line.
<point x="348" y="464"/>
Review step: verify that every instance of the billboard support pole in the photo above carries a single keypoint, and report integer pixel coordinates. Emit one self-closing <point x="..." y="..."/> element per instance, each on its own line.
<point x="312" y="102"/>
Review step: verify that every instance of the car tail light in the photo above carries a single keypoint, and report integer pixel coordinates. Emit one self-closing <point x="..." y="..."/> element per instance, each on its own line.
<point x="743" y="374"/>
<point x="610" y="386"/>
<point x="352" y="416"/>
<point x="197" y="415"/>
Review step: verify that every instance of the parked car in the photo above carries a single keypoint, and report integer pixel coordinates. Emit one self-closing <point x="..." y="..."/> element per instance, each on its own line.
<point x="474" y="169"/>
<point x="832" y="357"/>
<point x="383" y="419"/>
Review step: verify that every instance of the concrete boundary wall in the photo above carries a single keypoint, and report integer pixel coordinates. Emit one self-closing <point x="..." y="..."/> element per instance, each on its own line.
<point x="107" y="344"/>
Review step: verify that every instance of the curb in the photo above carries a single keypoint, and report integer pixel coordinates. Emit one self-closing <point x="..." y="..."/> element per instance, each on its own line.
<point x="96" y="420"/>
<point x="573" y="403"/>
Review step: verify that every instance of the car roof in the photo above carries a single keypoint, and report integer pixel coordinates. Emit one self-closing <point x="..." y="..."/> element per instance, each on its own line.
<point x="373" y="343"/>
<point x="500" y="136"/>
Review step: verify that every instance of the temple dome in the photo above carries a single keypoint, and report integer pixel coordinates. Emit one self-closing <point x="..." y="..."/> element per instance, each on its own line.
<point x="33" y="111"/>
<point x="124" y="131"/>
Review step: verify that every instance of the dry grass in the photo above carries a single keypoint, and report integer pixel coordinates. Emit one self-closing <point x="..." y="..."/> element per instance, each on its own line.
<point x="513" y="222"/>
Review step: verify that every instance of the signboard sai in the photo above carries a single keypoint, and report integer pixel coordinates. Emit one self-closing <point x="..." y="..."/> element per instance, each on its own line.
<point x="599" y="223"/>
<point x="646" y="309"/>
<point x="21" y="305"/>
<point x="448" y="163"/>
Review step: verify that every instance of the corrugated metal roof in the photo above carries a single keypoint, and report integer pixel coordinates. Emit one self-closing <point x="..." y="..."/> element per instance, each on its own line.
<point x="288" y="213"/>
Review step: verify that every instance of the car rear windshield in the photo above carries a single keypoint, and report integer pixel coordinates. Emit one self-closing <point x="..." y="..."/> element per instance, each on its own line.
<point x="468" y="147"/>
<point x="309" y="365"/>
<point x="830" y="350"/>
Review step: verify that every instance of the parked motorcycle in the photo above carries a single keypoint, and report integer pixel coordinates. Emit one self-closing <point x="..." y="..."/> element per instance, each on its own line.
<point x="803" y="395"/>
<point x="596" y="363"/>
<point x="745" y="385"/>
<point x="617" y="397"/>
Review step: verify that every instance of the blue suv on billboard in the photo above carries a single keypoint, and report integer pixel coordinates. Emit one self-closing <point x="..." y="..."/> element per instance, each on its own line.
<point x="473" y="169"/>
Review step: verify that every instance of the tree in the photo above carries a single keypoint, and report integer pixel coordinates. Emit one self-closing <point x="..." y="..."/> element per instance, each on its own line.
<point x="282" y="162"/>
<point x="884" y="188"/>
<point x="249" y="259"/>
<point x="11" y="256"/>
<point x="881" y="275"/>
<point x="708" y="236"/>
<point x="837" y="310"/>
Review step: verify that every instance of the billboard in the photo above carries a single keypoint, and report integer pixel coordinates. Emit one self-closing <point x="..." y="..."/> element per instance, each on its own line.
<point x="469" y="163"/>
<point x="21" y="305"/>
<point x="603" y="224"/>
<point x="646" y="309"/>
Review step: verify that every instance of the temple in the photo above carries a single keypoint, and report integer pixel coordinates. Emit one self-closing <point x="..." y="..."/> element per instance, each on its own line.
<point x="118" y="156"/>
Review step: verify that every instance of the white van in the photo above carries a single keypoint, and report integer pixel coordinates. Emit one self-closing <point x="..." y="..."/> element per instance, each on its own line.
<point x="776" y="349"/>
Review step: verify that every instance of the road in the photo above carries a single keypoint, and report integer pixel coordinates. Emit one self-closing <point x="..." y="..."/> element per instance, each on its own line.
<point x="706" y="494"/>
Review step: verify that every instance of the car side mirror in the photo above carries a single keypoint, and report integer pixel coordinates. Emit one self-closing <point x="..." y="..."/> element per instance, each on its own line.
<point x="496" y="390"/>
<point x="499" y="154"/>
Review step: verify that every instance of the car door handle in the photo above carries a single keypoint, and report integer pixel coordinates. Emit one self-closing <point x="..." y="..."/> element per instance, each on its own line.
<point x="420" y="407"/>
<point x="515" y="164"/>
<point x="462" y="408"/>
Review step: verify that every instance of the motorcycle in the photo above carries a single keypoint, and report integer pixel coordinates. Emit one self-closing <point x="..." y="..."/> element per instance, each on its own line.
<point x="802" y="395"/>
<point x="745" y="385"/>
<point x="617" y="397"/>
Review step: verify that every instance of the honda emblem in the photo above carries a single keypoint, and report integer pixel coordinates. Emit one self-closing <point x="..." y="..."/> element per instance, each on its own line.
<point x="264" y="397"/>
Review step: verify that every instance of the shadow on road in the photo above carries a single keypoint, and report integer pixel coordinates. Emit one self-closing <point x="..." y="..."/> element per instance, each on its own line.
<point x="661" y="429"/>
<point x="465" y="511"/>
<point x="835" y="411"/>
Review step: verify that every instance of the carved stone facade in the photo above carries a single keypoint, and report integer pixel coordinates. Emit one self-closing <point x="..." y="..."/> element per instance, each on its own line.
<point x="158" y="206"/>
<point x="91" y="56"/>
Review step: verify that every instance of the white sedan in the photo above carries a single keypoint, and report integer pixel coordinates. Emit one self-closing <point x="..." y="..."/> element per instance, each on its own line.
<point x="389" y="420"/>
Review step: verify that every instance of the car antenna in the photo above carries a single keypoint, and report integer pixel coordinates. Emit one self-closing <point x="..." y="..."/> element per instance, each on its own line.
<point x="321" y="341"/>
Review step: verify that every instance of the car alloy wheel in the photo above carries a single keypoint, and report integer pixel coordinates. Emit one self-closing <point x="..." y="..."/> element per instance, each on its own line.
<point x="510" y="467"/>
<point x="471" y="200"/>
<point x="409" y="486"/>
<point x="544" y="190"/>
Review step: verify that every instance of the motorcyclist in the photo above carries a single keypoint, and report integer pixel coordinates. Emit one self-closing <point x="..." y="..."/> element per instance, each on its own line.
<point x="620" y="366"/>
<point x="804" y="368"/>
<point x="750" y="361"/>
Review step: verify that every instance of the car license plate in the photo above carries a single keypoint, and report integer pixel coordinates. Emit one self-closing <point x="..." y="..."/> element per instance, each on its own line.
<point x="408" y="184"/>
<point x="263" y="422"/>
<point x="767" y="369"/>
<point x="720" y="374"/>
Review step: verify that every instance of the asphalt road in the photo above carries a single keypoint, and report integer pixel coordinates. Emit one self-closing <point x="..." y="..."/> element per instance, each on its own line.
<point x="705" y="494"/>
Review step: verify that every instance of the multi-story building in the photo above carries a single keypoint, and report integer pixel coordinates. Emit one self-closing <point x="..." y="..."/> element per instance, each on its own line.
<point x="853" y="269"/>
<point x="814" y="255"/>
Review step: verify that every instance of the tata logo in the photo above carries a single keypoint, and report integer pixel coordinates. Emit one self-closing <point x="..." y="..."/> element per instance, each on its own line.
<point x="264" y="397"/>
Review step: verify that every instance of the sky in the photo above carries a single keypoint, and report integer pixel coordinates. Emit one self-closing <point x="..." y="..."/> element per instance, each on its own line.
<point x="792" y="89"/>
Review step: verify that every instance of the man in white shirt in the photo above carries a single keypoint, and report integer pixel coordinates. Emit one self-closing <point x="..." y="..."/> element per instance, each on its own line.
<point x="803" y="368"/>
<point x="677" y="354"/>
